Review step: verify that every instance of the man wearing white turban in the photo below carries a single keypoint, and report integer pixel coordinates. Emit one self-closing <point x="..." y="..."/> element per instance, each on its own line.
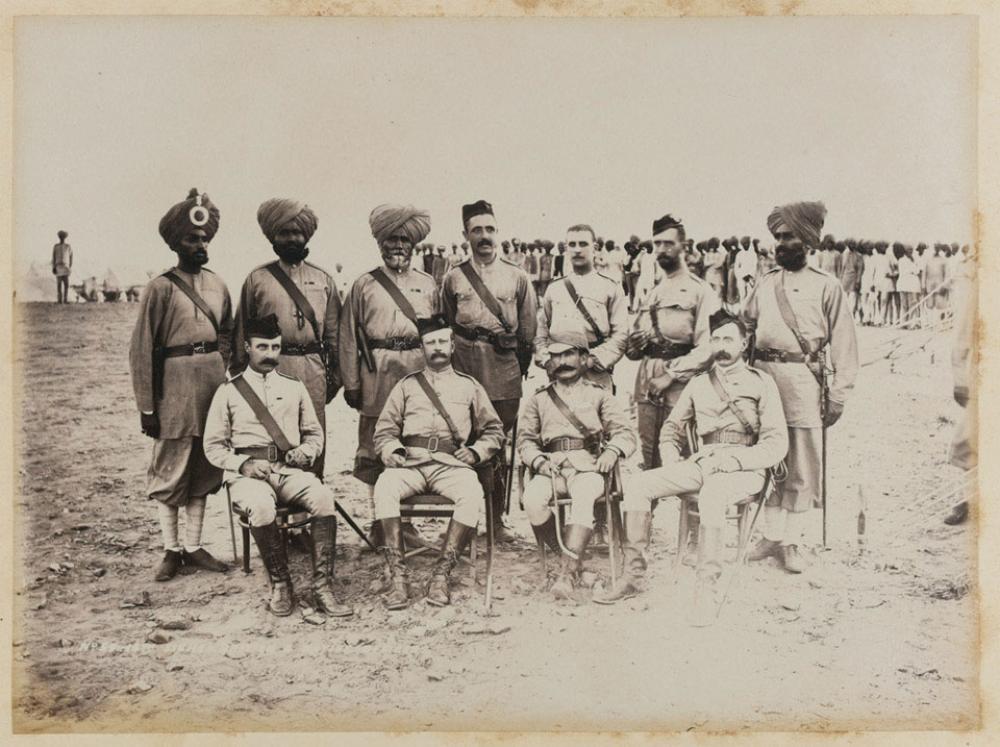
<point x="805" y="336"/>
<point x="379" y="344"/>
<point x="309" y="322"/>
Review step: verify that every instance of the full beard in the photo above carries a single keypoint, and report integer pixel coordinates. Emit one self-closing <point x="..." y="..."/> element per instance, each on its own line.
<point x="669" y="264"/>
<point x="791" y="257"/>
<point x="397" y="260"/>
<point x="291" y="253"/>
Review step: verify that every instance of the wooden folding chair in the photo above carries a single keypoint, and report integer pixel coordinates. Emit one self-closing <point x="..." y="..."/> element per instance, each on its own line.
<point x="740" y="512"/>
<point x="431" y="505"/>
<point x="612" y="499"/>
<point x="288" y="518"/>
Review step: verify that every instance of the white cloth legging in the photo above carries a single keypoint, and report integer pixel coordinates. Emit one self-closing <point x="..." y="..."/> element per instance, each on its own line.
<point x="716" y="492"/>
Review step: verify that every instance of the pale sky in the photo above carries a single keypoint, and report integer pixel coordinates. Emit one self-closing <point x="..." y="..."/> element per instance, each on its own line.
<point x="555" y="122"/>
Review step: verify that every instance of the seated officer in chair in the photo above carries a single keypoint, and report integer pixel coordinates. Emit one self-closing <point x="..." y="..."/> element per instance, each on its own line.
<point x="435" y="425"/>
<point x="263" y="431"/>
<point x="573" y="432"/>
<point x="741" y="425"/>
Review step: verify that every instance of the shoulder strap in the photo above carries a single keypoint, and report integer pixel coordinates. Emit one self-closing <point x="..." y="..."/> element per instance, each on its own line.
<point x="300" y="301"/>
<point x="567" y="413"/>
<point x="724" y="395"/>
<point x="488" y="299"/>
<point x="390" y="287"/>
<point x="191" y="293"/>
<point x="438" y="405"/>
<point x="785" y="309"/>
<point x="583" y="310"/>
<point x="263" y="414"/>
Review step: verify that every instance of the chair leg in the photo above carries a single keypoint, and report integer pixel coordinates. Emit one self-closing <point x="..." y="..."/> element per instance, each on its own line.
<point x="682" y="533"/>
<point x="232" y="527"/>
<point x="246" y="547"/>
<point x="488" y="595"/>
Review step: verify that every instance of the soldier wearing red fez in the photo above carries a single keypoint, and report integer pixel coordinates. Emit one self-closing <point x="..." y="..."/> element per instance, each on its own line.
<point x="490" y="303"/>
<point x="305" y="300"/>
<point x="806" y="342"/>
<point x="177" y="359"/>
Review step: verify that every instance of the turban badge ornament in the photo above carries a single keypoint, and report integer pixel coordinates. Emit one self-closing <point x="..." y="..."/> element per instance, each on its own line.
<point x="198" y="215"/>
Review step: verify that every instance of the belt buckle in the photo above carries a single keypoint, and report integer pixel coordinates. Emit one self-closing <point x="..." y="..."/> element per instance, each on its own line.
<point x="272" y="453"/>
<point x="198" y="347"/>
<point x="433" y="442"/>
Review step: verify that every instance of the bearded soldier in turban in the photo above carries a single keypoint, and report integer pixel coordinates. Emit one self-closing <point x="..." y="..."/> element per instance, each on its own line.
<point x="806" y="342"/>
<point x="379" y="344"/>
<point x="490" y="304"/>
<point x="176" y="357"/>
<point x="305" y="300"/>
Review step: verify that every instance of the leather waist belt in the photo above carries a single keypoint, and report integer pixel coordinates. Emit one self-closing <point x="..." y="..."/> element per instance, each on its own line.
<point x="571" y="444"/>
<point x="667" y="351"/>
<point x="395" y="343"/>
<point x="735" y="438"/>
<point x="770" y="355"/>
<point x="434" y="443"/>
<point x="308" y="348"/>
<point x="476" y="333"/>
<point x="271" y="453"/>
<point x="194" y="348"/>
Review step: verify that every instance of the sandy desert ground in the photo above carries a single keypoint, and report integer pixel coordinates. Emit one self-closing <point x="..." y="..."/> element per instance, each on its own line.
<point x="886" y="639"/>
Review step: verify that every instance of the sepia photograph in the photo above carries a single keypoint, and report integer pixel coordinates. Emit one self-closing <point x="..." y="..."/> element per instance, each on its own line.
<point x="496" y="374"/>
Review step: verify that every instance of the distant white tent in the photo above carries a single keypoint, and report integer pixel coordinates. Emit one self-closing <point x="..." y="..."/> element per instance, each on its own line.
<point x="38" y="284"/>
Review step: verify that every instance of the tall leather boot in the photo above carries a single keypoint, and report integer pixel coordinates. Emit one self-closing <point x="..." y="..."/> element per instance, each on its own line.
<point x="437" y="590"/>
<point x="706" y="602"/>
<point x="324" y="546"/>
<point x="690" y="548"/>
<point x="637" y="527"/>
<point x="546" y="534"/>
<point x="272" y="552"/>
<point x="577" y="537"/>
<point x="398" y="596"/>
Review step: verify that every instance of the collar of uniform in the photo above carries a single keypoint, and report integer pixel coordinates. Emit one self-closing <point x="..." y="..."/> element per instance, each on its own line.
<point x="395" y="273"/>
<point x="479" y="265"/>
<point x="590" y="271"/>
<point x="727" y="373"/>
<point x="259" y="377"/>
<point x="288" y="266"/>
<point x="431" y="373"/>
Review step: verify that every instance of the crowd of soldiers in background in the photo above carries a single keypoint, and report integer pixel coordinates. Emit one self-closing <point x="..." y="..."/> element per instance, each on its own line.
<point x="886" y="284"/>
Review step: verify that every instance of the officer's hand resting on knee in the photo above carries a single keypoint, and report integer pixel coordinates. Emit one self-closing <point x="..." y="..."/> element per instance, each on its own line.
<point x="606" y="461"/>
<point x="295" y="458"/>
<point x="395" y="459"/>
<point x="545" y="468"/>
<point x="467" y="456"/>
<point x="257" y="468"/>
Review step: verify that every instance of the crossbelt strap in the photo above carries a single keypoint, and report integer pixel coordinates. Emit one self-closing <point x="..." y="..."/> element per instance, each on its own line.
<point x="484" y="293"/>
<point x="567" y="413"/>
<point x="263" y="414"/>
<point x="438" y="405"/>
<point x="393" y="290"/>
<point x="785" y="309"/>
<point x="583" y="310"/>
<point x="724" y="395"/>
<point x="191" y="293"/>
<point x="300" y="301"/>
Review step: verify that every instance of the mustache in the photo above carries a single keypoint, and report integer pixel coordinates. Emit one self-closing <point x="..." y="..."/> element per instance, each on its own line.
<point x="269" y="362"/>
<point x="484" y="242"/>
<point x="724" y="356"/>
<point x="566" y="369"/>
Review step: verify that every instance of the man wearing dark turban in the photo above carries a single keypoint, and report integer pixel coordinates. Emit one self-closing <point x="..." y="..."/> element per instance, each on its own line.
<point x="308" y="318"/>
<point x="795" y="302"/>
<point x="492" y="346"/>
<point x="177" y="360"/>
<point x="379" y="344"/>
